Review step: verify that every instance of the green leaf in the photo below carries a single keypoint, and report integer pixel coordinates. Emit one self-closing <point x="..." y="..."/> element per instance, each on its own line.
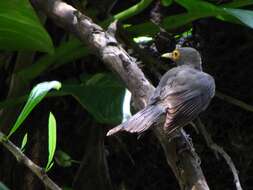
<point x="199" y="9"/>
<point x="63" y="159"/>
<point x="184" y="34"/>
<point x="52" y="136"/>
<point x="238" y="3"/>
<point x="20" y="29"/>
<point x="24" y="142"/>
<point x="198" y="6"/>
<point x="146" y="28"/>
<point x="36" y="95"/>
<point x="101" y="95"/>
<point x="244" y="16"/>
<point x="134" y="10"/>
<point x="3" y="187"/>
<point x="166" y="3"/>
<point x="50" y="166"/>
<point x="65" y="53"/>
<point x="176" y="21"/>
<point x="142" y="39"/>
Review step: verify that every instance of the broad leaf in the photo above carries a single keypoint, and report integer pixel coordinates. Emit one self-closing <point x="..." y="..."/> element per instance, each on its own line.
<point x="101" y="95"/>
<point x="20" y="29"/>
<point x="199" y="9"/>
<point x="237" y="3"/>
<point x="244" y="16"/>
<point x="198" y="6"/>
<point x="36" y="95"/>
<point x="52" y="136"/>
<point x="65" y="53"/>
<point x="166" y="2"/>
<point x="3" y="187"/>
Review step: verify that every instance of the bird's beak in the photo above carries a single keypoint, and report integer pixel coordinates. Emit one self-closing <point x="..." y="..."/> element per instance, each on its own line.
<point x="167" y="55"/>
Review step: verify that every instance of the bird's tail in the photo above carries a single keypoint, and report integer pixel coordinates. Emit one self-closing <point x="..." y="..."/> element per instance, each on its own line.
<point x="141" y="121"/>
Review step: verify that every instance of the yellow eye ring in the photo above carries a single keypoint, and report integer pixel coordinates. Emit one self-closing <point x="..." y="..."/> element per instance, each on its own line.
<point x="176" y="54"/>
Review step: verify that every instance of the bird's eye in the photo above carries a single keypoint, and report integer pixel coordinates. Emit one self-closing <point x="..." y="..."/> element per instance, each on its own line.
<point x="175" y="54"/>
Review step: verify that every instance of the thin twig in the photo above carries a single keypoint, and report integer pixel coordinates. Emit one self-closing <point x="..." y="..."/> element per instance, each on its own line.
<point x="217" y="149"/>
<point x="22" y="158"/>
<point x="234" y="101"/>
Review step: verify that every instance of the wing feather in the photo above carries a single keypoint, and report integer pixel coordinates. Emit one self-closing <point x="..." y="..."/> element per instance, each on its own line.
<point x="183" y="114"/>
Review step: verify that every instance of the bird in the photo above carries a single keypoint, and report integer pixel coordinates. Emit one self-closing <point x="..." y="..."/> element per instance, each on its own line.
<point x="181" y="95"/>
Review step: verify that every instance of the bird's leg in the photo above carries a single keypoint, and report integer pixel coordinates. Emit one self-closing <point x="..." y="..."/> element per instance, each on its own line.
<point x="190" y="147"/>
<point x="187" y="145"/>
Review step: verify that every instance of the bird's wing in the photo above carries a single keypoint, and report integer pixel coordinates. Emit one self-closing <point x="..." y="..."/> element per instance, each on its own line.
<point x="182" y="114"/>
<point x="185" y="95"/>
<point x="179" y="85"/>
<point x="168" y="84"/>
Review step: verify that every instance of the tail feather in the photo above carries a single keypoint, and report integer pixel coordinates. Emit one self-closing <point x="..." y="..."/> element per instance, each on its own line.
<point x="114" y="130"/>
<point x="141" y="121"/>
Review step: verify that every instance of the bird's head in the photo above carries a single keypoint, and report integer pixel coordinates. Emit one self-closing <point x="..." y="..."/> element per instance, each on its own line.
<point x="185" y="56"/>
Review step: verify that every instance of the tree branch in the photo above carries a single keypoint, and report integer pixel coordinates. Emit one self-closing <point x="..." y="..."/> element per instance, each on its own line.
<point x="234" y="101"/>
<point x="103" y="43"/>
<point x="22" y="158"/>
<point x="217" y="149"/>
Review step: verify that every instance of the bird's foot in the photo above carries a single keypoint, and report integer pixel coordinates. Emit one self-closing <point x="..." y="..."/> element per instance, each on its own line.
<point x="189" y="147"/>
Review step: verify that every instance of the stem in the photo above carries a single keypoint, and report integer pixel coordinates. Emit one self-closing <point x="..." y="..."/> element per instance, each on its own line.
<point x="22" y="158"/>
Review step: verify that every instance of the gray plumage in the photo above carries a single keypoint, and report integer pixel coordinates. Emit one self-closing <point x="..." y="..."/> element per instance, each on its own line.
<point x="183" y="92"/>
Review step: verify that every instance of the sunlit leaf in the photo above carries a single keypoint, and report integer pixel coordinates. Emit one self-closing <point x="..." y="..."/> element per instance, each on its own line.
<point x="24" y="142"/>
<point x="36" y="95"/>
<point x="142" y="39"/>
<point x="3" y="187"/>
<point x="52" y="138"/>
<point x="202" y="9"/>
<point x="20" y="29"/>
<point x="244" y="16"/>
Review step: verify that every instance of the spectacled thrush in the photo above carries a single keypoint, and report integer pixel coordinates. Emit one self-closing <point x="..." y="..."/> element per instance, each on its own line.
<point x="182" y="93"/>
